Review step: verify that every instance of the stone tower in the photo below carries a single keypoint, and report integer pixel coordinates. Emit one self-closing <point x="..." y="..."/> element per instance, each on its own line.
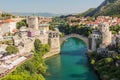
<point x="93" y="39"/>
<point x="32" y="22"/>
<point x="106" y="35"/>
<point x="54" y="41"/>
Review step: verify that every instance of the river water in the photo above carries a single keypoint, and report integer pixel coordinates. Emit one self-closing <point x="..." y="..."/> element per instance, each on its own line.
<point x="72" y="63"/>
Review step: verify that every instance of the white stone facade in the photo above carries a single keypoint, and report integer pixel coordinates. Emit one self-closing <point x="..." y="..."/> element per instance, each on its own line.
<point x="8" y="27"/>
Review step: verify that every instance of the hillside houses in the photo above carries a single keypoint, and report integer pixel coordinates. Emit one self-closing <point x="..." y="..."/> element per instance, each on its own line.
<point x="23" y="39"/>
<point x="93" y="22"/>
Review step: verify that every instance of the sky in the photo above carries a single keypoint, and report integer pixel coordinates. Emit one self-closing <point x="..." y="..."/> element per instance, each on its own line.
<point x="52" y="6"/>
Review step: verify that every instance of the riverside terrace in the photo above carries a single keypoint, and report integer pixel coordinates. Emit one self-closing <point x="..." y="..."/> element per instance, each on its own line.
<point x="7" y="68"/>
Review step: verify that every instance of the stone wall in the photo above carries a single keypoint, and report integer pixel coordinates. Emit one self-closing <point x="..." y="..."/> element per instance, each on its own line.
<point x="54" y="43"/>
<point x="52" y="53"/>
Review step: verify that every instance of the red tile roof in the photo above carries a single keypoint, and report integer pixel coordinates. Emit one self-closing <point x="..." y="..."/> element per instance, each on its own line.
<point x="9" y="20"/>
<point x="15" y="30"/>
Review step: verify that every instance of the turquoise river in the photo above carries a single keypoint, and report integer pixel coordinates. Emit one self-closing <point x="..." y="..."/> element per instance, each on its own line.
<point x="72" y="63"/>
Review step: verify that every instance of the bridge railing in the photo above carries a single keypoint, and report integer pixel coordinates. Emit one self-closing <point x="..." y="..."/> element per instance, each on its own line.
<point x="75" y="35"/>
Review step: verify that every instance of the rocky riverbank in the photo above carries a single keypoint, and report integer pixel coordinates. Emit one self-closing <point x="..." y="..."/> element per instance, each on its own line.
<point x="52" y="53"/>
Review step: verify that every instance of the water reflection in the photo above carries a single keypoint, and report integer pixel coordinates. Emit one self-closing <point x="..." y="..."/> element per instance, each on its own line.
<point x="72" y="63"/>
<point x="55" y="65"/>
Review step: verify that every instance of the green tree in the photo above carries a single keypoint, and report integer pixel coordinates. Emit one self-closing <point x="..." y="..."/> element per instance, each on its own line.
<point x="6" y="15"/>
<point x="11" y="49"/>
<point x="47" y="47"/>
<point x="115" y="29"/>
<point x="92" y="61"/>
<point x="38" y="46"/>
<point x="21" y="23"/>
<point x="29" y="66"/>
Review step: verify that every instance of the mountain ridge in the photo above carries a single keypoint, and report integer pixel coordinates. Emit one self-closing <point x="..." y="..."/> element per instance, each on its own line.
<point x="107" y="7"/>
<point x="45" y="14"/>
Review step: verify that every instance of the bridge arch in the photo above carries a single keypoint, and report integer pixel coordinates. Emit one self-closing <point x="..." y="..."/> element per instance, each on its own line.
<point x="85" y="39"/>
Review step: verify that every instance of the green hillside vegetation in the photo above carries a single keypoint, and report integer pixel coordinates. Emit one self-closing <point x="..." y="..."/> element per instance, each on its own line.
<point x="112" y="9"/>
<point x="11" y="49"/>
<point x="7" y="15"/>
<point x="66" y="29"/>
<point x="86" y="12"/>
<point x="105" y="66"/>
<point x="107" y="8"/>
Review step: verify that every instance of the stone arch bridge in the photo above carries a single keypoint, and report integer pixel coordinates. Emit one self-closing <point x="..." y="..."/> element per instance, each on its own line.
<point x="85" y="39"/>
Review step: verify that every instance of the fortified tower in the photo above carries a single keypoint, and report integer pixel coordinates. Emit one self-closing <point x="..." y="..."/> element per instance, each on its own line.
<point x="54" y="40"/>
<point x="54" y="43"/>
<point x="106" y="35"/>
<point x="93" y="39"/>
<point x="32" y="22"/>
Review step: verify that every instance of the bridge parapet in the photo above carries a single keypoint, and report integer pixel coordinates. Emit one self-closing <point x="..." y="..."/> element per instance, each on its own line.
<point x="83" y="38"/>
